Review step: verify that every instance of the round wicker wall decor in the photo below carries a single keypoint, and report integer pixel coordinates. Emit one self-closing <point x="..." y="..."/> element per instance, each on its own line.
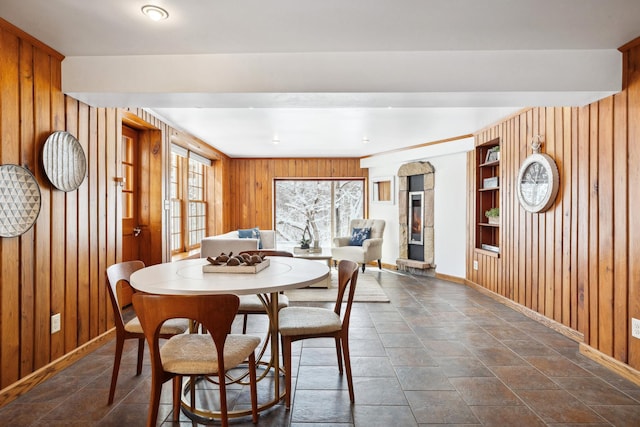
<point x="19" y="200"/>
<point x="64" y="161"/>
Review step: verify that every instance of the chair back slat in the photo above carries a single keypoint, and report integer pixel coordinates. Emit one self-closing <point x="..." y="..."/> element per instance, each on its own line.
<point x="347" y="279"/>
<point x="117" y="273"/>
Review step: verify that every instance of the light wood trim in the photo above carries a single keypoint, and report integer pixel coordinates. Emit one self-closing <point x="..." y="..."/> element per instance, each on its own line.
<point x="558" y="327"/>
<point x="25" y="384"/>
<point x="630" y="45"/>
<point x="609" y="362"/>
<point x="454" y="279"/>
<point x="8" y="26"/>
<point x="426" y="144"/>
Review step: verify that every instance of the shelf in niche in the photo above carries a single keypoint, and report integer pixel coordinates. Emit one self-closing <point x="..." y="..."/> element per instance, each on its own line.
<point x="489" y="164"/>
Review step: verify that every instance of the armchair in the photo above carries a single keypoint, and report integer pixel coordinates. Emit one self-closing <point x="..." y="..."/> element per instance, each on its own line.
<point x="371" y="249"/>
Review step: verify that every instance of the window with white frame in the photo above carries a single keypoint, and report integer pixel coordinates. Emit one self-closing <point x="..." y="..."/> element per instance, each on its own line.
<point x="188" y="199"/>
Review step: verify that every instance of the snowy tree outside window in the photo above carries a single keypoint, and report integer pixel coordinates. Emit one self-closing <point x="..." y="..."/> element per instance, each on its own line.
<point x="325" y="206"/>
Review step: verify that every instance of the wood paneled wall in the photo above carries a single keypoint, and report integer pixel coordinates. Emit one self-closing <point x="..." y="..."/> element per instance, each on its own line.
<point x="58" y="266"/>
<point x="250" y="184"/>
<point x="579" y="262"/>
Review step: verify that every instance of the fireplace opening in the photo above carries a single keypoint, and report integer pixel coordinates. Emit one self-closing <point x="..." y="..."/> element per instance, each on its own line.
<point x="416" y="217"/>
<point x="416" y="206"/>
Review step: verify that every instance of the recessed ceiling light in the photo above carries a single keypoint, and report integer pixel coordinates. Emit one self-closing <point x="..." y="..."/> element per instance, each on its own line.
<point x="365" y="140"/>
<point x="275" y="140"/>
<point x="155" y="13"/>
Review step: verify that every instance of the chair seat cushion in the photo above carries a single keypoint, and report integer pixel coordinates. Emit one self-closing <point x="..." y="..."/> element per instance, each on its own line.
<point x="170" y="327"/>
<point x="190" y="354"/>
<point x="308" y="320"/>
<point x="252" y="304"/>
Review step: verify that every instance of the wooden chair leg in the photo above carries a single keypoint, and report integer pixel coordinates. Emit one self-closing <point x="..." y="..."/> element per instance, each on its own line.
<point x="116" y="367"/>
<point x="224" y="413"/>
<point x="363" y="265"/>
<point x="140" y="355"/>
<point x="347" y="366"/>
<point x="244" y="324"/>
<point x="286" y="356"/>
<point x="339" y="354"/>
<point x="254" y="388"/>
<point x="379" y="264"/>
<point x="177" y="397"/>
<point x="154" y="402"/>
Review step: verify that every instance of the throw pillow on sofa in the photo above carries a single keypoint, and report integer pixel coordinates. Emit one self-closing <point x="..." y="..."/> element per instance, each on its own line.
<point x="359" y="235"/>
<point x="251" y="233"/>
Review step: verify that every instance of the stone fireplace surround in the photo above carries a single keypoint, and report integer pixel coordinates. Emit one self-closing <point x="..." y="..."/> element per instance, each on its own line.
<point x="403" y="263"/>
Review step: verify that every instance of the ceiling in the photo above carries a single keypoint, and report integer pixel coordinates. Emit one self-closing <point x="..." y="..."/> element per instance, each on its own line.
<point x="321" y="76"/>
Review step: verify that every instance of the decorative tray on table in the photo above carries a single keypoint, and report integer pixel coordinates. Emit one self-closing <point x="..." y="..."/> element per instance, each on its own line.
<point x="244" y="263"/>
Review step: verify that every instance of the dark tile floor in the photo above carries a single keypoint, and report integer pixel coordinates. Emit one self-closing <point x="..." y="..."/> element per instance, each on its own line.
<point x="439" y="353"/>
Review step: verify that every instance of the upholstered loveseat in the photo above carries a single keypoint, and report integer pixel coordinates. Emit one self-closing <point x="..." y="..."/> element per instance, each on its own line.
<point x="232" y="242"/>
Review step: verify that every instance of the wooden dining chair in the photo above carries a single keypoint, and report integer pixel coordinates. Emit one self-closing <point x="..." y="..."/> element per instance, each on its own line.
<point x="298" y="323"/>
<point x="125" y="330"/>
<point x="212" y="353"/>
<point x="251" y="304"/>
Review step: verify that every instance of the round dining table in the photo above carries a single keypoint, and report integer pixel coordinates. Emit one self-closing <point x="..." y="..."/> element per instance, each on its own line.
<point x="188" y="278"/>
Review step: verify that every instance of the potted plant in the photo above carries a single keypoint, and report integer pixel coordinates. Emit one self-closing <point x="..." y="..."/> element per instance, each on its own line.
<point x="304" y="243"/>
<point x="493" y="215"/>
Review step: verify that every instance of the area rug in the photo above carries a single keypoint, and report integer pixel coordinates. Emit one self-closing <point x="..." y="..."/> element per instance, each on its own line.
<point x="367" y="290"/>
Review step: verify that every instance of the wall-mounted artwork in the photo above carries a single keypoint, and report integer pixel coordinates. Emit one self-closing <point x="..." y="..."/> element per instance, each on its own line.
<point x="64" y="161"/>
<point x="19" y="200"/>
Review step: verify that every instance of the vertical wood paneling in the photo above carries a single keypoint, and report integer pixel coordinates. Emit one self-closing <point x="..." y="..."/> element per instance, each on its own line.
<point x="84" y="232"/>
<point x="58" y="265"/>
<point x="577" y="263"/>
<point x="70" y="320"/>
<point x="620" y="228"/>
<point x="27" y="240"/>
<point x="94" y="243"/>
<point x="101" y="312"/>
<point x="58" y="225"/>
<point x="9" y="248"/>
<point x="605" y="225"/>
<point x="576" y="299"/>
<point x="593" y="227"/>
<point x="556" y="286"/>
<point x="252" y="207"/>
<point x="583" y="222"/>
<point x="565" y="237"/>
<point x="633" y="92"/>
<point x="42" y="125"/>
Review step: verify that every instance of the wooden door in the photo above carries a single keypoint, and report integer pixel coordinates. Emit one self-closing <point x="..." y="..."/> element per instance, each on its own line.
<point x="130" y="221"/>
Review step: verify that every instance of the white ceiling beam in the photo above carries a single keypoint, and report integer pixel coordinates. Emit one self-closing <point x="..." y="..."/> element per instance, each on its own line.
<point x="179" y="80"/>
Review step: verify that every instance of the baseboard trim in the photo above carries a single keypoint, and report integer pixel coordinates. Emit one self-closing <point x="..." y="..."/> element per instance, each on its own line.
<point x="609" y="362"/>
<point x="534" y="315"/>
<point x="25" y="384"/>
<point x="454" y="279"/>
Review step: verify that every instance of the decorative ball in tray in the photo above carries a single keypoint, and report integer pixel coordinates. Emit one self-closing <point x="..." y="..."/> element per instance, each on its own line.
<point x="229" y="263"/>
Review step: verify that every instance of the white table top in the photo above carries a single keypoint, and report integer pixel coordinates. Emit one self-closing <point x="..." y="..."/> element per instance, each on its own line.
<point x="186" y="277"/>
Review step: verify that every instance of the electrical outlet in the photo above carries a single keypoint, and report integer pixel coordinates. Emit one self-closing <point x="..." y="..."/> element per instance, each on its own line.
<point x="55" y="323"/>
<point x="635" y="328"/>
<point x="475" y="264"/>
